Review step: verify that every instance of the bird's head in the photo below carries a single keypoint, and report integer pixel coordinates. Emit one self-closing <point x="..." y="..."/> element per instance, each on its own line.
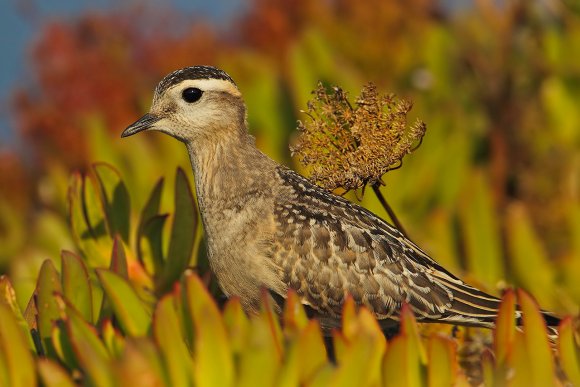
<point x="192" y="104"/>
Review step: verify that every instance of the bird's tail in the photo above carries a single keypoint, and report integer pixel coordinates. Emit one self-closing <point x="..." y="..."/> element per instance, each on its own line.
<point x="471" y="306"/>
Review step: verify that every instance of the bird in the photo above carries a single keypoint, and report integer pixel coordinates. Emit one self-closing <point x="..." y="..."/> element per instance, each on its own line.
<point x="268" y="227"/>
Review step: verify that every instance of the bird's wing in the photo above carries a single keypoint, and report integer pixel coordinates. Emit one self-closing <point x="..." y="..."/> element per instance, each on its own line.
<point x="327" y="247"/>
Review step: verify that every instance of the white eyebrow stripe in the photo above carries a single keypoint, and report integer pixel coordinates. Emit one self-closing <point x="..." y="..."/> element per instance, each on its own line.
<point x="211" y="84"/>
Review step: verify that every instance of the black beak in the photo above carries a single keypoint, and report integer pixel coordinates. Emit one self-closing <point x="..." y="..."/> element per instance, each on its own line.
<point x="143" y="123"/>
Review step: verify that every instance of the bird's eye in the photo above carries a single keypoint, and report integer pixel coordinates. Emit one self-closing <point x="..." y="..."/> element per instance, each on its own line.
<point x="191" y="94"/>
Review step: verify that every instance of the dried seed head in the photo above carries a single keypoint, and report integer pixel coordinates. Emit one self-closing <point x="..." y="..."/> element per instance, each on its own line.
<point x="349" y="147"/>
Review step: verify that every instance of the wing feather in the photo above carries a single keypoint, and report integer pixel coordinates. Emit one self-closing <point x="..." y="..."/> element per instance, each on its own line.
<point x="328" y="248"/>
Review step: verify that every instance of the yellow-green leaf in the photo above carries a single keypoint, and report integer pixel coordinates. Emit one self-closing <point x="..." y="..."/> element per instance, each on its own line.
<point x="8" y="297"/>
<point x="529" y="258"/>
<point x="410" y="329"/>
<point x="118" y="258"/>
<point x="152" y="253"/>
<point x="294" y="315"/>
<point x="90" y="351"/>
<point x="133" y="315"/>
<point x="76" y="284"/>
<point x="115" y="200"/>
<point x="311" y="350"/>
<point x="521" y="374"/>
<point x="442" y="362"/>
<point x="261" y="356"/>
<point x="63" y="346"/>
<point x="48" y="309"/>
<point x="505" y="330"/>
<point x="182" y="234"/>
<point x="15" y="357"/>
<point x="140" y="365"/>
<point x="113" y="339"/>
<point x="402" y="363"/>
<point x="484" y="254"/>
<point x="212" y="364"/>
<point x="354" y="367"/>
<point x="171" y="343"/>
<point x="488" y="369"/>
<point x="153" y="235"/>
<point x="81" y="232"/>
<point x="237" y="324"/>
<point x="53" y="375"/>
<point x="569" y="351"/>
<point x="535" y="340"/>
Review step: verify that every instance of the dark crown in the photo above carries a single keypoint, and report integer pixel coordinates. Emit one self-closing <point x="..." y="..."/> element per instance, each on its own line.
<point x="193" y="72"/>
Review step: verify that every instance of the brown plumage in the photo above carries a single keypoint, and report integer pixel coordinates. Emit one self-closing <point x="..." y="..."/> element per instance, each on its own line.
<point x="268" y="227"/>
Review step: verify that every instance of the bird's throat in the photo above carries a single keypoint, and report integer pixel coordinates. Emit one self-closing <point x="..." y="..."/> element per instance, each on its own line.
<point x="228" y="171"/>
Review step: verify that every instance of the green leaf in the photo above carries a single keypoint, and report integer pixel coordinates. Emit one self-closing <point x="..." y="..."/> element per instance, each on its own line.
<point x="288" y="376"/>
<point x="8" y="298"/>
<point x="213" y="364"/>
<point x="153" y="234"/>
<point x="48" y="309"/>
<point x="294" y="315"/>
<point x="268" y="101"/>
<point x="31" y="318"/>
<point x="16" y="362"/>
<point x="304" y="358"/>
<point x="569" y="351"/>
<point x="489" y="374"/>
<point x="140" y="365"/>
<point x="115" y="199"/>
<point x="237" y="324"/>
<point x="349" y="326"/>
<point x="260" y="358"/>
<point x="93" y="209"/>
<point x="521" y="372"/>
<point x="484" y="252"/>
<point x="118" y="258"/>
<point x="442" y="364"/>
<point x="53" y="375"/>
<point x="323" y="377"/>
<point x="150" y="210"/>
<point x="81" y="232"/>
<point x="405" y="355"/>
<point x="354" y="367"/>
<point x="411" y="330"/>
<point x="63" y="345"/>
<point x="363" y="352"/>
<point x="169" y="339"/>
<point x="90" y="351"/>
<point x="311" y="351"/>
<point x="114" y="341"/>
<point x="540" y="362"/>
<point x="151" y="229"/>
<point x="76" y="284"/>
<point x="182" y="234"/>
<point x="268" y="315"/>
<point x="133" y="315"/>
<point x="401" y="365"/>
<point x="505" y="330"/>
<point x="340" y="344"/>
<point x="531" y="265"/>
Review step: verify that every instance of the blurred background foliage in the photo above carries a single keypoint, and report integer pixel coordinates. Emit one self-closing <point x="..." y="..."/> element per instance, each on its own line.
<point x="493" y="193"/>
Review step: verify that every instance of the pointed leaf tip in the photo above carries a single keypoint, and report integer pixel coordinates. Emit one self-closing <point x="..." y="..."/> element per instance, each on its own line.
<point x="118" y="258"/>
<point x="115" y="199"/>
<point x="569" y="350"/>
<point x="132" y="313"/>
<point x="76" y="284"/>
<point x="183" y="233"/>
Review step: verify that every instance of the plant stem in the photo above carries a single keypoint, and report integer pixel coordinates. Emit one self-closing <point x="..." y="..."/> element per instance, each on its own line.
<point x="377" y="191"/>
